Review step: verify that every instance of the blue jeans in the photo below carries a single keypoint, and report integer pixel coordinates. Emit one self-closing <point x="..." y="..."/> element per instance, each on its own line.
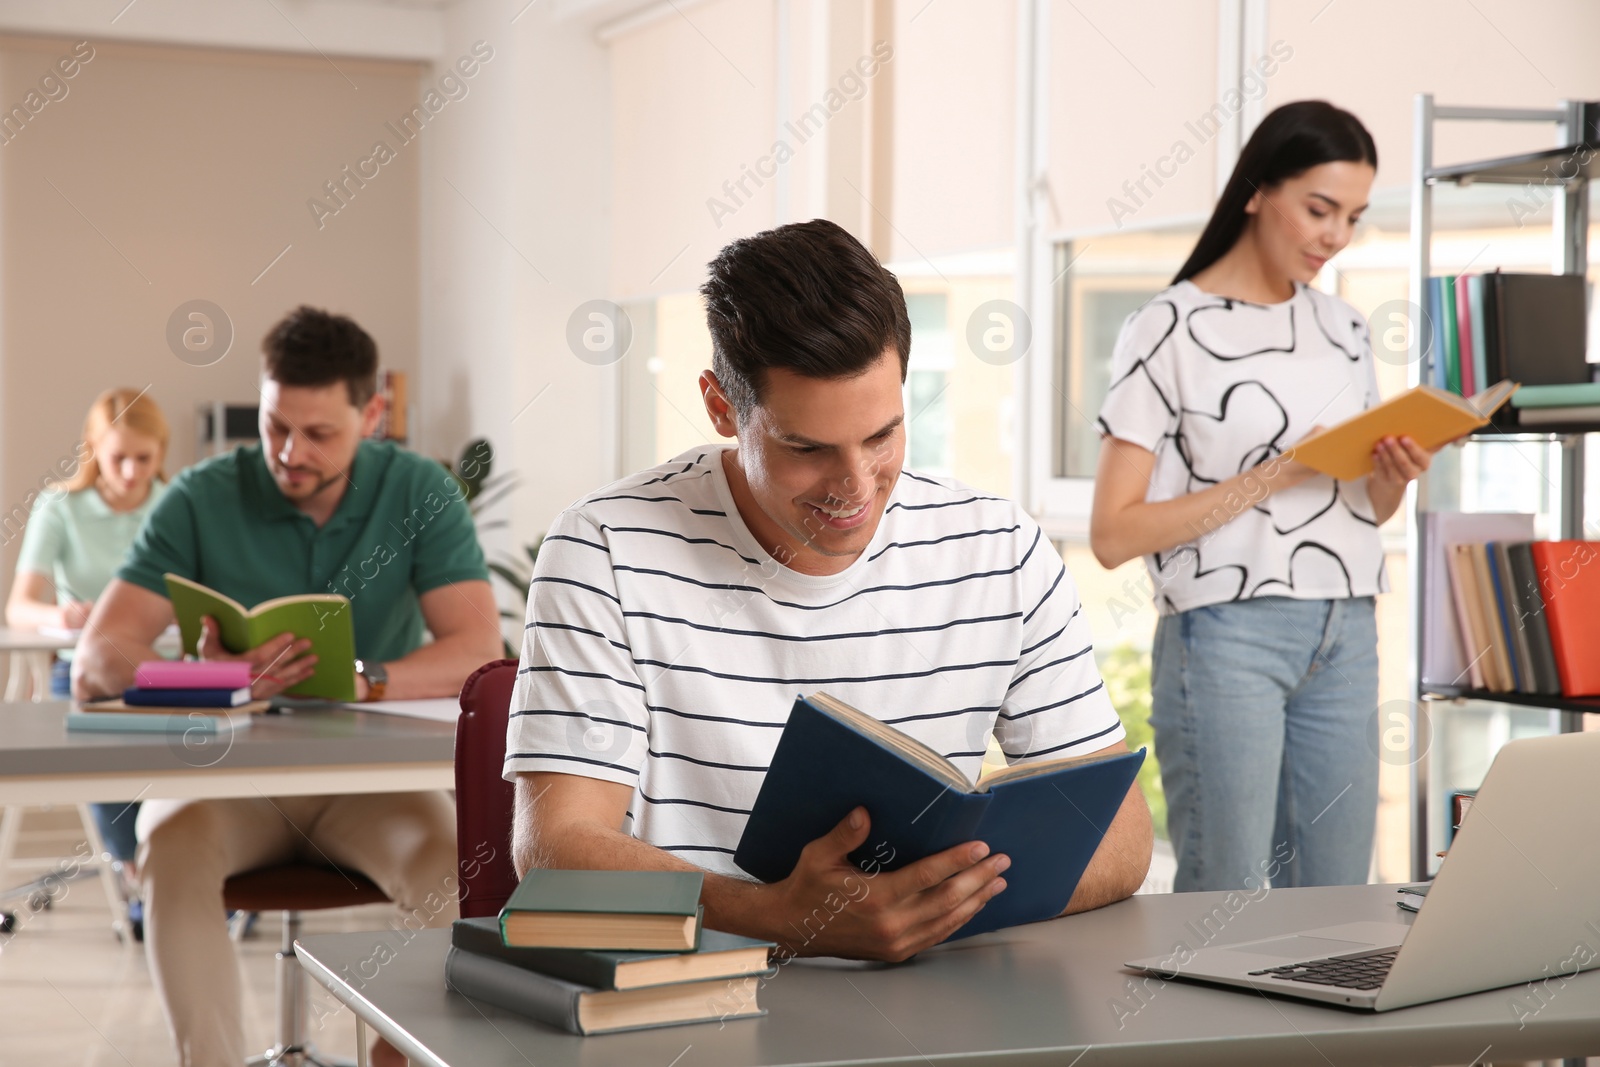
<point x="114" y="820"/>
<point x="1265" y="718"/>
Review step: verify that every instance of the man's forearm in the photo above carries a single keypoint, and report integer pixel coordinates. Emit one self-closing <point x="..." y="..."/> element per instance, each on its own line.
<point x="438" y="668"/>
<point x="732" y="904"/>
<point x="1121" y="862"/>
<point x="103" y="667"/>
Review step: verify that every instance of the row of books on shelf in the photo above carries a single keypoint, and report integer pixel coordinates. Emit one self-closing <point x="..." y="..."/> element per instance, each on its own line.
<point x="1529" y="328"/>
<point x="393" y="423"/>
<point x="594" y="952"/>
<point x="1558" y="405"/>
<point x="1519" y="614"/>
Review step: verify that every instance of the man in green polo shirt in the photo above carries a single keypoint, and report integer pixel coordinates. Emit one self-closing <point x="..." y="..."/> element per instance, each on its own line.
<point x="315" y="507"/>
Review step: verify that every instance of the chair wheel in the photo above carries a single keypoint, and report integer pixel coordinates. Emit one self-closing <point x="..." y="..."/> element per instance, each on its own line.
<point x="8" y="921"/>
<point x="38" y="901"/>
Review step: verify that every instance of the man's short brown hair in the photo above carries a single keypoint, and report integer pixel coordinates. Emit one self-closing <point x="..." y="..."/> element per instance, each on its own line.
<point x="807" y="297"/>
<point x="311" y="347"/>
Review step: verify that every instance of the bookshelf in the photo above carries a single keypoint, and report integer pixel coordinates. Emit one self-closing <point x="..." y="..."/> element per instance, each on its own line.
<point x="1561" y="175"/>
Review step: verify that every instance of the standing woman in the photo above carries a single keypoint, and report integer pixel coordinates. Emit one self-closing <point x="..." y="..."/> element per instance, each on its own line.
<point x="1264" y="677"/>
<point x="76" y="537"/>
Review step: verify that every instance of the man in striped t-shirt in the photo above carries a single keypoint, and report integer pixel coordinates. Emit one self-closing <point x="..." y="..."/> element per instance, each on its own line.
<point x="675" y="614"/>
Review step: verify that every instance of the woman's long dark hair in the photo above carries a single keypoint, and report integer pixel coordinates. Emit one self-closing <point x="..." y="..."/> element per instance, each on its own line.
<point x="1290" y="141"/>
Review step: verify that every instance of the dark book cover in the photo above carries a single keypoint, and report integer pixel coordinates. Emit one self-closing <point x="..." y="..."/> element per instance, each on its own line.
<point x="1541" y="321"/>
<point x="1049" y="824"/>
<point x="1488" y="294"/>
<point x="564" y="1005"/>
<point x="1525" y="577"/>
<point x="185" y="698"/>
<point x="607" y="892"/>
<point x="1503" y="616"/>
<point x="598" y="969"/>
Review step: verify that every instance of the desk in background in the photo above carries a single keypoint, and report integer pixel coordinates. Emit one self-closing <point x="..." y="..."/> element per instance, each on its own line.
<point x="1050" y="993"/>
<point x="30" y="654"/>
<point x="300" y="753"/>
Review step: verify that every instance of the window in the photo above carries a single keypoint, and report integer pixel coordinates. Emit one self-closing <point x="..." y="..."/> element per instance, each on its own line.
<point x="928" y="431"/>
<point x="1101" y="281"/>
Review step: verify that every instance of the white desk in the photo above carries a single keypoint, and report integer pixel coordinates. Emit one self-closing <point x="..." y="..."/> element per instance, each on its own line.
<point x="30" y="653"/>
<point x="296" y="753"/>
<point x="1051" y="993"/>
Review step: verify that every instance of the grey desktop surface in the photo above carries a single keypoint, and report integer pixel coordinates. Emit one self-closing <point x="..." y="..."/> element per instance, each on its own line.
<point x="1050" y="993"/>
<point x="37" y="742"/>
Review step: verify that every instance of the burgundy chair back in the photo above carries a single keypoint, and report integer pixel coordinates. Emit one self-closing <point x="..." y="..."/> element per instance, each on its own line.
<point x="484" y="800"/>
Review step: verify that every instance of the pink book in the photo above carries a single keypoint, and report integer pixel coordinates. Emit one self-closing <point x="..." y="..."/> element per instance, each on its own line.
<point x="1464" y="337"/>
<point x="192" y="674"/>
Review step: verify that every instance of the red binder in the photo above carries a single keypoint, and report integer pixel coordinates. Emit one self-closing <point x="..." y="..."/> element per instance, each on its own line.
<point x="1569" y="581"/>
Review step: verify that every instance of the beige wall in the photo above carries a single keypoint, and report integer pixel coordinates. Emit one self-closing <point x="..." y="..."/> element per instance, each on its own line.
<point x="515" y="201"/>
<point x="170" y="174"/>
<point x="954" y="140"/>
<point x="693" y="107"/>
<point x="1373" y="56"/>
<point x="1126" y="83"/>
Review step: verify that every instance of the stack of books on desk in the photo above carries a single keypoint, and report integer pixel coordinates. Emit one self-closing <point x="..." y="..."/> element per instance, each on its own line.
<point x="179" y="696"/>
<point x="595" y="952"/>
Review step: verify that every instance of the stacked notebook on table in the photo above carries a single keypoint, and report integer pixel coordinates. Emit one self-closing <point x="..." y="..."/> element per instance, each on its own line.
<point x="600" y="951"/>
<point x="183" y="696"/>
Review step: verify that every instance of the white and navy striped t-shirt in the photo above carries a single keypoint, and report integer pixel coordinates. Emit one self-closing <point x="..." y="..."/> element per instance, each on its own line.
<point x="664" y="647"/>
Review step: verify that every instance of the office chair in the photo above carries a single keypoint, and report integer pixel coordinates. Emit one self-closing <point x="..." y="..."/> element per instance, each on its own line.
<point x="484" y="800"/>
<point x="293" y="888"/>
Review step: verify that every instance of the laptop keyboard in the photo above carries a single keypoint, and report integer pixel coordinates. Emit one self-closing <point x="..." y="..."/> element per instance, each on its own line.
<point x="1365" y="970"/>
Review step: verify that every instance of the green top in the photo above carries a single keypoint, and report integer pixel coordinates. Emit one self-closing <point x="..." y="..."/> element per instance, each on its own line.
<point x="77" y="541"/>
<point x="401" y="530"/>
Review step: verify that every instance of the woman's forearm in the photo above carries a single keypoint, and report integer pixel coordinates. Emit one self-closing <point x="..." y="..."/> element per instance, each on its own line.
<point x="26" y="613"/>
<point x="1142" y="527"/>
<point x="1386" y="498"/>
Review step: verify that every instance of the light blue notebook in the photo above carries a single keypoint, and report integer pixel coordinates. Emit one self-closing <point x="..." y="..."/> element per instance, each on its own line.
<point x="134" y="722"/>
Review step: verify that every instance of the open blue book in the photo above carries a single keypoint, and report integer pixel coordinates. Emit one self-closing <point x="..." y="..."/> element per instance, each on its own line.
<point x="1048" y="816"/>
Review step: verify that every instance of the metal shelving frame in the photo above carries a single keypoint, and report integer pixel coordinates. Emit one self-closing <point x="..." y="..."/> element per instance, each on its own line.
<point x="1564" y="171"/>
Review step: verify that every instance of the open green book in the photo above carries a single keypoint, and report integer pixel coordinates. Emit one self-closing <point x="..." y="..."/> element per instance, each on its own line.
<point x="324" y="619"/>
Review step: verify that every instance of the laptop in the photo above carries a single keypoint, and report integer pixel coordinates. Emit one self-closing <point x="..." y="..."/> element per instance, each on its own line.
<point x="1516" y="900"/>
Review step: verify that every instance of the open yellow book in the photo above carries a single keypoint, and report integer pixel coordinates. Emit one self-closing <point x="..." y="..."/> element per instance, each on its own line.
<point x="1429" y="416"/>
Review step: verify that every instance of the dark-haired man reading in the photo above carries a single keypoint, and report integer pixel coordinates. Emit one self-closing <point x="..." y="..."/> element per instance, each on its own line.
<point x="675" y="614"/>
<point x="312" y="504"/>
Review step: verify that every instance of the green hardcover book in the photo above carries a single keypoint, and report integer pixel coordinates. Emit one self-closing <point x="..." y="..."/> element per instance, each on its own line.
<point x="631" y="911"/>
<point x="1577" y="395"/>
<point x="1452" y="343"/>
<point x="720" y="955"/>
<point x="580" y="1009"/>
<point x="322" y="618"/>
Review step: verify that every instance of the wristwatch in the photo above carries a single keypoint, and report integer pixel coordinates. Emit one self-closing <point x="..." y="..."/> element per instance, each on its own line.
<point x="377" y="678"/>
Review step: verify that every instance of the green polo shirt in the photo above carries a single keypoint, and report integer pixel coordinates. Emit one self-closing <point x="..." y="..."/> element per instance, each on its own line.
<point x="401" y="530"/>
